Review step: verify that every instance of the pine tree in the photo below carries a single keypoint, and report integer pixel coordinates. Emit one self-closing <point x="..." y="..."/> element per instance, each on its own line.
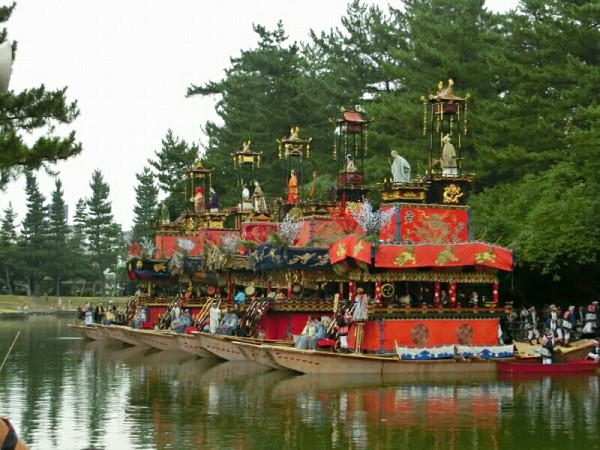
<point x="104" y="235"/>
<point x="33" y="112"/>
<point x="9" y="255"/>
<point x="34" y="242"/>
<point x="146" y="207"/>
<point x="173" y="159"/>
<point x="265" y="92"/>
<point x="58" y="233"/>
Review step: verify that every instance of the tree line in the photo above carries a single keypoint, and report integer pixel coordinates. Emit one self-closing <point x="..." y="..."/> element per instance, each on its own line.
<point x="533" y="120"/>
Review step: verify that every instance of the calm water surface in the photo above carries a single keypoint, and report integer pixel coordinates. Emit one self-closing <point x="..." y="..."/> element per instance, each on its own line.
<point x="66" y="393"/>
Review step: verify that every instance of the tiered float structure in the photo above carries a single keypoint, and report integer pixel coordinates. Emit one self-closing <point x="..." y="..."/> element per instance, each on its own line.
<point x="313" y="251"/>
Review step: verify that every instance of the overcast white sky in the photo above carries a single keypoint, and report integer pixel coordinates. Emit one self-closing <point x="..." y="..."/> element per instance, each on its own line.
<point x="128" y="63"/>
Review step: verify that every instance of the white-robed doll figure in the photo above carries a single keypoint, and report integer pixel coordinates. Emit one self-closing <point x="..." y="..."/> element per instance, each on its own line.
<point x="259" y="199"/>
<point x="400" y="168"/>
<point x="449" y="162"/>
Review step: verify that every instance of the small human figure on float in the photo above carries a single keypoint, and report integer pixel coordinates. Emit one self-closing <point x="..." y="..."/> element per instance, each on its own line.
<point x="400" y="168"/>
<point x="293" y="187"/>
<point x="449" y="161"/>
<point x="199" y="199"/>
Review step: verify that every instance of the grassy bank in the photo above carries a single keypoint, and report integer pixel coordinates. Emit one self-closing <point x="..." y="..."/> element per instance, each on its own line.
<point x="25" y="302"/>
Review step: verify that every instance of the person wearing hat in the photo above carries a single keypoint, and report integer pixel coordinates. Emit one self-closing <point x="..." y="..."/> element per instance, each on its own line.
<point x="547" y="346"/>
<point x="595" y="353"/>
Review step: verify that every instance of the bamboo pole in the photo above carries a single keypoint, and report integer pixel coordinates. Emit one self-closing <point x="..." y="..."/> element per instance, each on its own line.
<point x="10" y="350"/>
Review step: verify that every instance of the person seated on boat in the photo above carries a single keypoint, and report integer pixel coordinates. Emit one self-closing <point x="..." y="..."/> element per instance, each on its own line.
<point x="141" y="316"/>
<point x="280" y="295"/>
<point x="321" y="333"/>
<point x="310" y="329"/>
<point x="229" y="324"/>
<point x="595" y="353"/>
<point x="547" y="347"/>
<point x="342" y="326"/>
<point x="110" y="317"/>
<point x="362" y="304"/>
<point x="181" y="324"/>
<point x="240" y="297"/>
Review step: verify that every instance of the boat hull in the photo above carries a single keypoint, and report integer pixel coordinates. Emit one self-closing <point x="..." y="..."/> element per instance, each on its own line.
<point x="93" y="332"/>
<point x="221" y="346"/>
<point x="161" y="340"/>
<point x="190" y="343"/>
<point x="123" y="334"/>
<point x="536" y="367"/>
<point x="318" y="362"/>
<point x="257" y="353"/>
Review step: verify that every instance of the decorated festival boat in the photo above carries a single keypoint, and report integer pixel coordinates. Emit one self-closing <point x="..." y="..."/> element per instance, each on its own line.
<point x="411" y="265"/>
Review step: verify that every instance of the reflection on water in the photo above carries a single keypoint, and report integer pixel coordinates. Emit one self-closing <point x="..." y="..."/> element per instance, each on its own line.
<point x="64" y="392"/>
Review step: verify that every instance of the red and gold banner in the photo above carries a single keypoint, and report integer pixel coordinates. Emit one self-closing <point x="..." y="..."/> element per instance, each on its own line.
<point x="450" y="255"/>
<point x="428" y="225"/>
<point x="257" y="232"/>
<point x="351" y="246"/>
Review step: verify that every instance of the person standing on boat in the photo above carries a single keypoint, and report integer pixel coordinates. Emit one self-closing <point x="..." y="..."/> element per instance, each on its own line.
<point x="553" y="321"/>
<point x="569" y="322"/>
<point x="214" y="317"/>
<point x="531" y="321"/>
<point x="361" y="312"/>
<point x="591" y="318"/>
<point x="343" y="326"/>
<point x="89" y="314"/>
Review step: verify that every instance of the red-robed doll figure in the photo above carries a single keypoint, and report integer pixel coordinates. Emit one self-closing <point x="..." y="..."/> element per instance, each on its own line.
<point x="199" y="199"/>
<point x="293" y="188"/>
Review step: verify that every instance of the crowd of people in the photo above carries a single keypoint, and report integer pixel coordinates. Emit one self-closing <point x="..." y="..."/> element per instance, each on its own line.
<point x="99" y="314"/>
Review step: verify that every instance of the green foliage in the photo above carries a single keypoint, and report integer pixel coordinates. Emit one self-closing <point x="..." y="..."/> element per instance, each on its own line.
<point x="104" y="235"/>
<point x="33" y="110"/>
<point x="173" y="159"/>
<point x="146" y="207"/>
<point x="9" y="255"/>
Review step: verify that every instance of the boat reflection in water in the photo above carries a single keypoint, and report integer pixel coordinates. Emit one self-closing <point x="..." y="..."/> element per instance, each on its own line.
<point x="72" y="394"/>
